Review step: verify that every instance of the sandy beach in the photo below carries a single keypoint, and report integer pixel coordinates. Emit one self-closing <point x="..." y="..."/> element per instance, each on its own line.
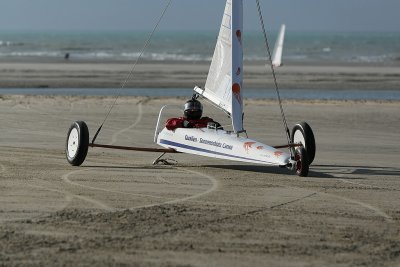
<point x="119" y="209"/>
<point x="340" y="74"/>
<point x="76" y="74"/>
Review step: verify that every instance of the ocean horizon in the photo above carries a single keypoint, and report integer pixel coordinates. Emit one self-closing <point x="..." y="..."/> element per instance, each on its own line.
<point x="249" y="93"/>
<point x="103" y="46"/>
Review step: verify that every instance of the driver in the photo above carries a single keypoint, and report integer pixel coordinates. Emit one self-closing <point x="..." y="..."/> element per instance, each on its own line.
<point x="192" y="117"/>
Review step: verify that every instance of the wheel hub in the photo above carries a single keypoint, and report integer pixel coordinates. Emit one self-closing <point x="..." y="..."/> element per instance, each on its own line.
<point x="73" y="143"/>
<point x="298" y="138"/>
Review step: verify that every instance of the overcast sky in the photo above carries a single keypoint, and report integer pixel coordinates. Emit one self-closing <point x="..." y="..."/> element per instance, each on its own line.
<point x="303" y="15"/>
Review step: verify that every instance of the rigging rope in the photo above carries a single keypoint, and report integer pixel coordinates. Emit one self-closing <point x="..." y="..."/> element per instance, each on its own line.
<point x="273" y="74"/>
<point x="133" y="68"/>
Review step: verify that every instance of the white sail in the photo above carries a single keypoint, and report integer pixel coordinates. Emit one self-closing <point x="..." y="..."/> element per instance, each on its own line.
<point x="225" y="77"/>
<point x="277" y="55"/>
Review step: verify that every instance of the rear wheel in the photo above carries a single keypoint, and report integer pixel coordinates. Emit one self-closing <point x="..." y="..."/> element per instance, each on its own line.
<point x="77" y="144"/>
<point x="301" y="159"/>
<point x="302" y="134"/>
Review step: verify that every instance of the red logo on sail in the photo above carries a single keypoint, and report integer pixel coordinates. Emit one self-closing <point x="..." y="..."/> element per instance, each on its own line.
<point x="278" y="153"/>
<point x="236" y="92"/>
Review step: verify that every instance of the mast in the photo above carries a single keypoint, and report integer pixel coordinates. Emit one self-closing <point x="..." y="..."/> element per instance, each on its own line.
<point x="237" y="65"/>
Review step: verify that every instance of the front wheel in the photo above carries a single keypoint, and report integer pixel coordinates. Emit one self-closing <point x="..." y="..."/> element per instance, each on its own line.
<point x="77" y="144"/>
<point x="301" y="159"/>
<point x="302" y="134"/>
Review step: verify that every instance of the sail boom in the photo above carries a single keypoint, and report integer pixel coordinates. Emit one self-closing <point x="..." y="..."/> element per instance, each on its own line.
<point x="214" y="99"/>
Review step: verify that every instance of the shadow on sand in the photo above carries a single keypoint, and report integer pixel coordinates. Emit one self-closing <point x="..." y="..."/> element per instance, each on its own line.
<point x="269" y="170"/>
<point x="127" y="167"/>
<point x="359" y="170"/>
<point x="249" y="168"/>
<point x="316" y="171"/>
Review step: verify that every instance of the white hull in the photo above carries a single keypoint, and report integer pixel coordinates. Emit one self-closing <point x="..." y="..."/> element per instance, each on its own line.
<point x="221" y="144"/>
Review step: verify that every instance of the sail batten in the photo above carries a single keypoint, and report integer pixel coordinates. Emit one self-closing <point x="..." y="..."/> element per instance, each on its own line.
<point x="225" y="77"/>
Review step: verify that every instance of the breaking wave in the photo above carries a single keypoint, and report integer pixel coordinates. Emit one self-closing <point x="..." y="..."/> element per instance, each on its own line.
<point x="5" y="43"/>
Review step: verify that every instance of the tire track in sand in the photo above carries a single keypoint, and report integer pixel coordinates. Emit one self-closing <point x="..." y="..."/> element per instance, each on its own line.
<point x="376" y="210"/>
<point x="215" y="183"/>
<point x="214" y="186"/>
<point x="68" y="196"/>
<point x="349" y="200"/>
<point x="363" y="204"/>
<point x="66" y="179"/>
<point x="101" y="205"/>
<point x="137" y="121"/>
<point x="349" y="169"/>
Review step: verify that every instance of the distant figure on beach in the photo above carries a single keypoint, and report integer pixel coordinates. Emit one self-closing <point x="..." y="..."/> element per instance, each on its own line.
<point x="193" y="111"/>
<point x="66" y="57"/>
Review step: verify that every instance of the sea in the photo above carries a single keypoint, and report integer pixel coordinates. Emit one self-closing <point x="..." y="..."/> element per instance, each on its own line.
<point x="249" y="93"/>
<point x="299" y="47"/>
<point x="365" y="48"/>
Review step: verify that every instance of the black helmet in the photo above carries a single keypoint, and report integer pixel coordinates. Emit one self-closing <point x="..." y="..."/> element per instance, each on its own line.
<point x="193" y="109"/>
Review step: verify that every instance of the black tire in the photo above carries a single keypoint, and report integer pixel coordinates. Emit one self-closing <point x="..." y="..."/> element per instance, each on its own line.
<point x="302" y="133"/>
<point x="76" y="146"/>
<point x="301" y="159"/>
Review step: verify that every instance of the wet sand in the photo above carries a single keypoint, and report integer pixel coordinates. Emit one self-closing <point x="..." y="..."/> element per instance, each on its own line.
<point x="72" y="74"/>
<point x="119" y="209"/>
